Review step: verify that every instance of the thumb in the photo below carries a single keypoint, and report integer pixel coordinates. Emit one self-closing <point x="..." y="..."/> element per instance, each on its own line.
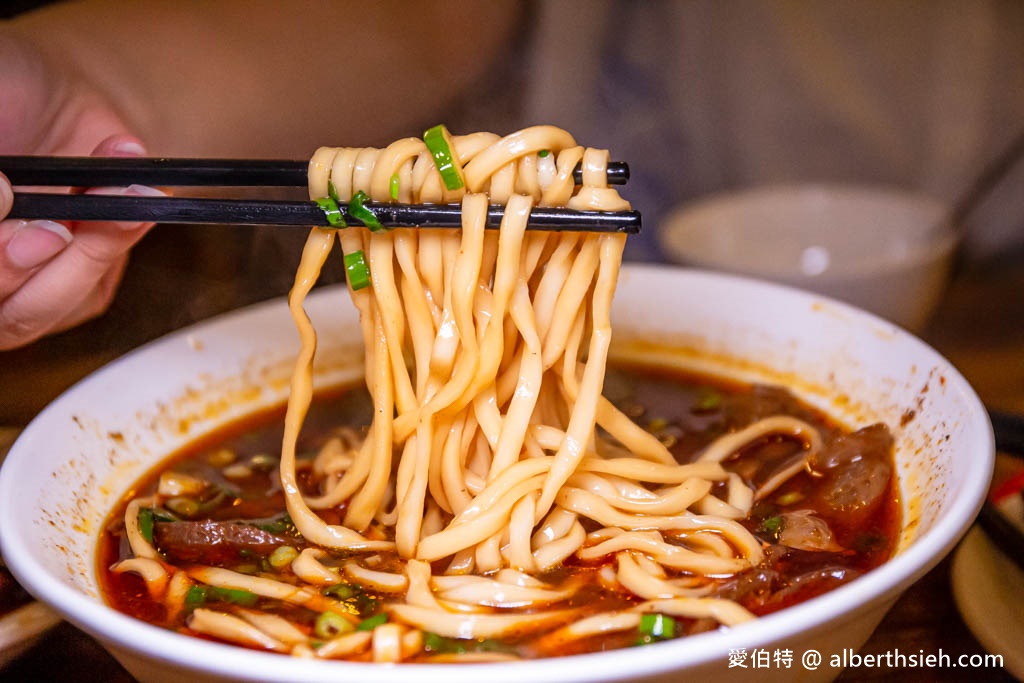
<point x="120" y="145"/>
<point x="6" y="196"/>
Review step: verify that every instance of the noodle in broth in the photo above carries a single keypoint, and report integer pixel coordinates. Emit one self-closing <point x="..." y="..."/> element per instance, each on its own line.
<point x="492" y="458"/>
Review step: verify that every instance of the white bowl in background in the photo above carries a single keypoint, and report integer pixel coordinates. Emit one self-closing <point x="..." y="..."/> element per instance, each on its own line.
<point x="886" y="250"/>
<point x="72" y="464"/>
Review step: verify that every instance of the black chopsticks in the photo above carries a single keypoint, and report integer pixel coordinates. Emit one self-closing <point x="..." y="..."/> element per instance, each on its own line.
<point x="1009" y="433"/>
<point x="95" y="207"/>
<point x="122" y="171"/>
<point x="118" y="171"/>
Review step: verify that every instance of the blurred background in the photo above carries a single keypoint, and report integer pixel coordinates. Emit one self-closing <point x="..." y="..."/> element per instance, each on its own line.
<point x="700" y="98"/>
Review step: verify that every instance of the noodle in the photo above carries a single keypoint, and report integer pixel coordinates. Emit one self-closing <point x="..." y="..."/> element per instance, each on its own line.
<point x="491" y="450"/>
<point x="459" y="319"/>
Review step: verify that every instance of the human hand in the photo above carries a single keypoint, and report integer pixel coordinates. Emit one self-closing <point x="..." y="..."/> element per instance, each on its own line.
<point x="56" y="275"/>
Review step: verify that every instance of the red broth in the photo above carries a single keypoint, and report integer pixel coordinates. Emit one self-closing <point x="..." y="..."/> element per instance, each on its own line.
<point x="851" y="491"/>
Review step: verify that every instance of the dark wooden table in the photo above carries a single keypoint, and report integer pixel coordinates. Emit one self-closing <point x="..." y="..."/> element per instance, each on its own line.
<point x="181" y="274"/>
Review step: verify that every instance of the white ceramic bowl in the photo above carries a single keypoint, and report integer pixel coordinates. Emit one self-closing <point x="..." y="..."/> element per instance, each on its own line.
<point x="80" y="455"/>
<point x="885" y="250"/>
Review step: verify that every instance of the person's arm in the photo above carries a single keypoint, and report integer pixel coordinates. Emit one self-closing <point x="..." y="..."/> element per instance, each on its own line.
<point x="227" y="78"/>
<point x="265" y="78"/>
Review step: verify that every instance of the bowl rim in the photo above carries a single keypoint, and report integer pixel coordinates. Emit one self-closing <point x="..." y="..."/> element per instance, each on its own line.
<point x="118" y="631"/>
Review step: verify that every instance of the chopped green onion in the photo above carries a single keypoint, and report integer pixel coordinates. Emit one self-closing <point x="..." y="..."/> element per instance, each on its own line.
<point x="543" y="153"/>
<point x="657" y="424"/>
<point x="282" y="556"/>
<point x="373" y="622"/>
<point x="341" y="591"/>
<point x="789" y="498"/>
<point x="330" y="625"/>
<point x="331" y="211"/>
<point x="439" y="143"/>
<point x="146" y="523"/>
<point x="201" y="505"/>
<point x="357" y="269"/>
<point x="195" y="597"/>
<point x="357" y="210"/>
<point x="772" y="525"/>
<point x="281" y="524"/>
<point x="656" y="627"/>
<point x="353" y="597"/>
<point x="435" y="643"/>
<point x="186" y="507"/>
<point x="438" y="644"/>
<point x="393" y="186"/>
<point x="222" y="457"/>
<point x="235" y="596"/>
<point x="332" y="191"/>
<point x="365" y="604"/>
<point x="707" y="399"/>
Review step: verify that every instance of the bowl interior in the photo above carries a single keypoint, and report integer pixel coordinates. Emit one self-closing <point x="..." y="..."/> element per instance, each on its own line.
<point x="81" y="454"/>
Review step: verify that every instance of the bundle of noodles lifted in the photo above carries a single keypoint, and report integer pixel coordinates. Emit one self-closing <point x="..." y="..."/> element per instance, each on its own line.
<point x="494" y="470"/>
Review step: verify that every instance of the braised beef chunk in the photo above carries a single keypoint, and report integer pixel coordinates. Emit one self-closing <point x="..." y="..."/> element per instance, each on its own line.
<point x="788" y="576"/>
<point x="225" y="542"/>
<point x="857" y="469"/>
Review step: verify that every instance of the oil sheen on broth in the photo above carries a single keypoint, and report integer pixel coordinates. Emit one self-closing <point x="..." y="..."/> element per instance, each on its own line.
<point x="835" y="520"/>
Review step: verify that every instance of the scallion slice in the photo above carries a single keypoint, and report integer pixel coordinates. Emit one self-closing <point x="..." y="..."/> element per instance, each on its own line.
<point x="358" y="210"/>
<point x="708" y="398"/>
<point x="543" y="153"/>
<point x="789" y="498"/>
<point x="439" y="143"/>
<point x="331" y="212"/>
<point x="332" y="191"/>
<point x="373" y="622"/>
<point x="330" y="625"/>
<point x="771" y="525"/>
<point x="357" y="270"/>
<point x="195" y="597"/>
<point x="282" y="556"/>
<point x="146" y="523"/>
<point x="393" y="186"/>
<point x="235" y="596"/>
<point x="656" y="627"/>
<point x="342" y="591"/>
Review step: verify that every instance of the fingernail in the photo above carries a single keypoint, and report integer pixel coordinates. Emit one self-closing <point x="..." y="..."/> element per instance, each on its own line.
<point x="6" y="193"/>
<point x="143" y="191"/>
<point x="36" y="242"/>
<point x="130" y="147"/>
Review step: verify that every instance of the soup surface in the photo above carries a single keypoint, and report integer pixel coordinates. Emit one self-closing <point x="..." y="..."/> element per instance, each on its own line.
<point x="222" y="506"/>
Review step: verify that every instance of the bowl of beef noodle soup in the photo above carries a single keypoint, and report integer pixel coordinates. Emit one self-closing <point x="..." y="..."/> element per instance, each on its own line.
<point x="467" y="475"/>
